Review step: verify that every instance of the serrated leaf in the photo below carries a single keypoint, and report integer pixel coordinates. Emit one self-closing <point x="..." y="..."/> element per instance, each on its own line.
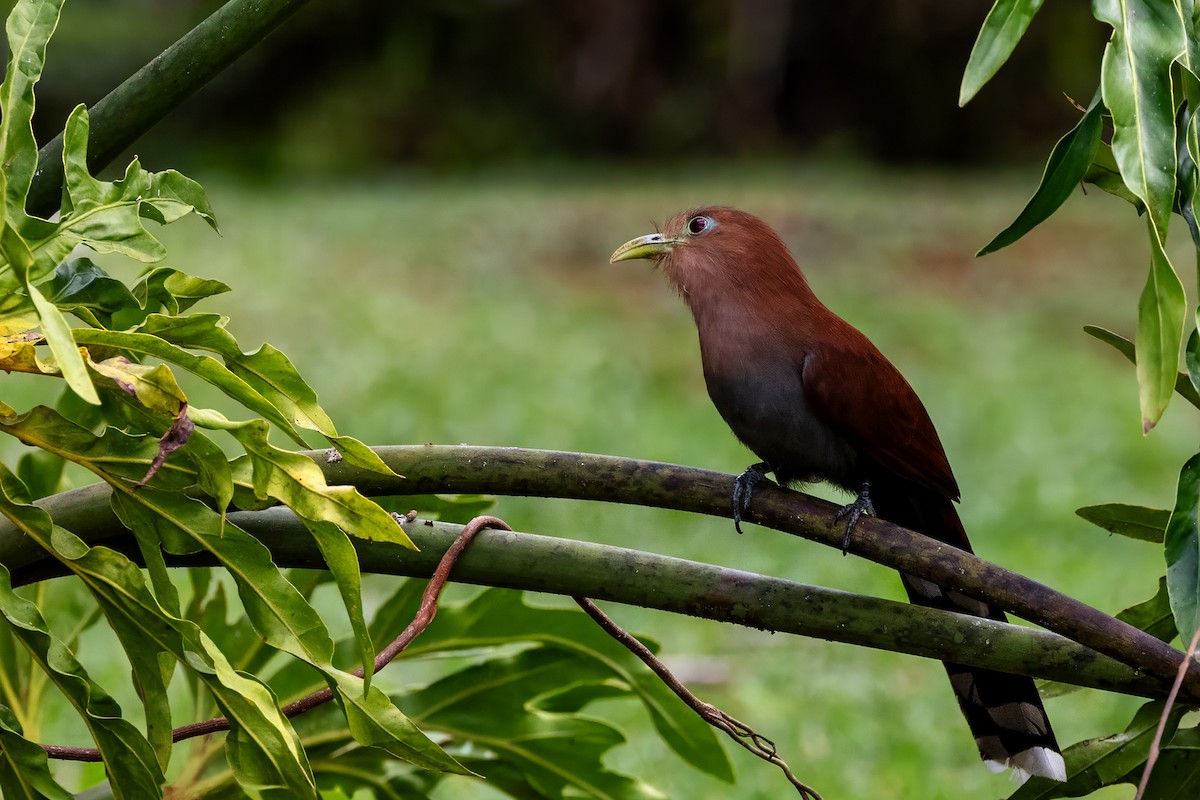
<point x="204" y="367"/>
<point x="29" y="28"/>
<point x="1094" y="763"/>
<point x="1182" y="549"/>
<point x="54" y="325"/>
<point x="1067" y="166"/>
<point x="1002" y="29"/>
<point x="1136" y="522"/>
<point x="271" y="373"/>
<point x="154" y="386"/>
<point x="173" y="195"/>
<point x="1153" y="616"/>
<point x="1183" y="384"/>
<point x="297" y="482"/>
<point x="174" y="290"/>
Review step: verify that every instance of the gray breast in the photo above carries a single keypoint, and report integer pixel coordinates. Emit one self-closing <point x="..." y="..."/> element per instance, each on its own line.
<point x="762" y="400"/>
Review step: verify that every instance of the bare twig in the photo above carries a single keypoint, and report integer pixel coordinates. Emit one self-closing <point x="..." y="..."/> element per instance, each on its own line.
<point x="737" y="730"/>
<point x="425" y="614"/>
<point x="1156" y="745"/>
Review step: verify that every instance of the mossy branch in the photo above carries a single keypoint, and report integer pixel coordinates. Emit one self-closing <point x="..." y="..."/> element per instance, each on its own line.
<point x="526" y="561"/>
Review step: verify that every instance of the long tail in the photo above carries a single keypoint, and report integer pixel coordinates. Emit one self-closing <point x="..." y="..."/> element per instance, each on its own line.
<point x="1004" y="712"/>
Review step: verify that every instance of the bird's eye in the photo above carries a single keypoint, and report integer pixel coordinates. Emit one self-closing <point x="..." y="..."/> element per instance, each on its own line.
<point x="698" y="225"/>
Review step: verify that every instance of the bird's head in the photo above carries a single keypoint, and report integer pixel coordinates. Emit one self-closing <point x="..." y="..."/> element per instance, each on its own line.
<point x="718" y="250"/>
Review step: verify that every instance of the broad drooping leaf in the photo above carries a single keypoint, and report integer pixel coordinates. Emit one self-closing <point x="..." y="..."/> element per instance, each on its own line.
<point x="556" y="755"/>
<point x="500" y="616"/>
<point x="1002" y="29"/>
<point x="1136" y="522"/>
<point x="1147" y="39"/>
<point x="1068" y="165"/>
<point x="1094" y="763"/>
<point x="1183" y="385"/>
<point x="1153" y="616"/>
<point x="1182" y="547"/>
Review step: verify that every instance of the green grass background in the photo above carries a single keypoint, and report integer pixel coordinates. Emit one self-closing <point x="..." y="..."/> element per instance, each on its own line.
<point x="483" y="310"/>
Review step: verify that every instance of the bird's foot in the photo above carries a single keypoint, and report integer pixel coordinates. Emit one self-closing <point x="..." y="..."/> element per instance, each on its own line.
<point x="743" y="490"/>
<point x="861" y="505"/>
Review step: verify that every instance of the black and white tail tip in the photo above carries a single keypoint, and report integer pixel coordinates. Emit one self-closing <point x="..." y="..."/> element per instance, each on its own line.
<point x="1041" y="761"/>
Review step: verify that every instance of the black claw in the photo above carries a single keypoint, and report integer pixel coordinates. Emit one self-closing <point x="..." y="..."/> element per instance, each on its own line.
<point x="861" y="505"/>
<point x="743" y="490"/>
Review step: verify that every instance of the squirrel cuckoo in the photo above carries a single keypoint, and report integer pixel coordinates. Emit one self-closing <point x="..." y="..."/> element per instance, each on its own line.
<point x="816" y="401"/>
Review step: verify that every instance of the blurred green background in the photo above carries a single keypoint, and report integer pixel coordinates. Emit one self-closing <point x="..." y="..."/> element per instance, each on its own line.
<point x="418" y="203"/>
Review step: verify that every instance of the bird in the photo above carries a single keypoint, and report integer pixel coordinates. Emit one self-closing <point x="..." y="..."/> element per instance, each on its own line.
<point x="816" y="401"/>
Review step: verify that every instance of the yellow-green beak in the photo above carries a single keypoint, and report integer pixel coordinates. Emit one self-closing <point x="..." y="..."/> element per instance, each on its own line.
<point x="652" y="245"/>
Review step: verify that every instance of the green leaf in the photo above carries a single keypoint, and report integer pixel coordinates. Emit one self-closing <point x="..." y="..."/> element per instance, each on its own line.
<point x="1002" y="29"/>
<point x="281" y="616"/>
<point x="297" y="482"/>
<point x="1161" y="309"/>
<point x="1136" y="522"/>
<point x="342" y="559"/>
<point x="1148" y="37"/>
<point x="130" y="761"/>
<point x="203" y="367"/>
<point x="1182" y="547"/>
<point x="29" y="28"/>
<point x="1068" y="165"/>
<point x="271" y="373"/>
<point x="375" y="721"/>
<point x="1182" y="383"/>
<point x="1153" y="616"/>
<point x="174" y="290"/>
<point x="155" y="386"/>
<point x="1176" y="775"/>
<point x="499" y="616"/>
<point x="1191" y="357"/>
<point x="24" y="767"/>
<point x="1136" y="84"/>
<point x="79" y="285"/>
<point x="54" y="325"/>
<point x="41" y="472"/>
<point x="1094" y="763"/>
<point x="1108" y="179"/>
<point x="561" y="755"/>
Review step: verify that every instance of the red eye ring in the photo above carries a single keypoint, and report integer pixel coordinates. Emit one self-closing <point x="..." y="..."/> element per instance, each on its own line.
<point x="698" y="225"/>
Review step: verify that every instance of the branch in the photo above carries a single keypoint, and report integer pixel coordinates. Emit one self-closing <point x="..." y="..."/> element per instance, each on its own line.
<point x="542" y="473"/>
<point x="158" y="88"/>
<point x="566" y="567"/>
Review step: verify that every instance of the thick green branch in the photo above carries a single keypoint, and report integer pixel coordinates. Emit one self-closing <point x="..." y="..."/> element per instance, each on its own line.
<point x="542" y="473"/>
<point x="155" y="90"/>
<point x="567" y="567"/>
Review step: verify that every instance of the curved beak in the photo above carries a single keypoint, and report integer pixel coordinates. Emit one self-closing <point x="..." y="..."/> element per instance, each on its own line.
<point x="652" y="245"/>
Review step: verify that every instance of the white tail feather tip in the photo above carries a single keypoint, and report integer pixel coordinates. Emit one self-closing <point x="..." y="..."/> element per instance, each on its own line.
<point x="1039" y="761"/>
